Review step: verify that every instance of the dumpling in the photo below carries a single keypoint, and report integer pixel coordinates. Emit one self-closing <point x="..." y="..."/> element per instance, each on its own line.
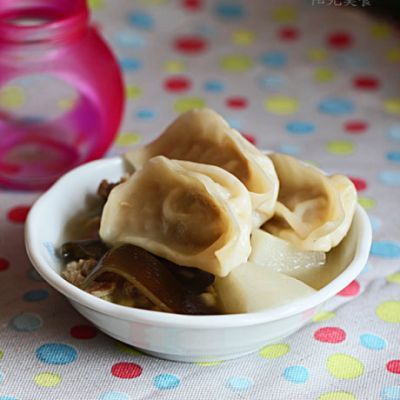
<point x="251" y="287"/>
<point x="314" y="211"/>
<point x="205" y="137"/>
<point x="193" y="214"/>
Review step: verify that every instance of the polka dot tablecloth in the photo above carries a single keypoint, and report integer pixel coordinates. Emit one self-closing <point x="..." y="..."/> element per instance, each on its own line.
<point x="314" y="79"/>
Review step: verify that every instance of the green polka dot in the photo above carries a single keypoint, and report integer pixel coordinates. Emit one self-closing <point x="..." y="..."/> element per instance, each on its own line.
<point x="323" y="316"/>
<point x="317" y="55"/>
<point x="343" y="366"/>
<point x="174" y="66"/>
<point x="243" y="37"/>
<point x="127" y="138"/>
<point x="392" y="106"/>
<point x="337" y="396"/>
<point x="281" y="105"/>
<point x="284" y="14"/>
<point x="389" y="311"/>
<point x="12" y="97"/>
<point x="393" y="55"/>
<point x="380" y="31"/>
<point x="187" y="103"/>
<point x="209" y="363"/>
<point x="322" y="75"/>
<point x="274" y="350"/>
<point x="1" y="354"/>
<point x="133" y="92"/>
<point x="366" y="202"/>
<point x="236" y="63"/>
<point x="95" y="4"/>
<point x="128" y="349"/>
<point x="340" y="147"/>
<point x="65" y="104"/>
<point x="47" y="379"/>
<point x="393" y="278"/>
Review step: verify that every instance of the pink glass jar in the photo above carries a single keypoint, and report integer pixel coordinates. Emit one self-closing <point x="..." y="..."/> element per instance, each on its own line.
<point x="53" y="38"/>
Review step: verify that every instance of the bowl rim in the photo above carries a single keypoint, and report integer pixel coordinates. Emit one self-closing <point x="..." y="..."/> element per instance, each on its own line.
<point x="35" y="250"/>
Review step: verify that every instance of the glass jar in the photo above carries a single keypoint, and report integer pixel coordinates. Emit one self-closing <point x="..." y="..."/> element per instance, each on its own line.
<point x="49" y="47"/>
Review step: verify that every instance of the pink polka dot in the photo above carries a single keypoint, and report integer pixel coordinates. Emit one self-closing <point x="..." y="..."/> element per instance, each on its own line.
<point x="352" y="289"/>
<point x="4" y="264"/>
<point x="190" y="44"/>
<point x="330" y="335"/>
<point x="359" y="183"/>
<point x="366" y="82"/>
<point x="250" y="138"/>
<point x="126" y="370"/>
<point x="83" y="332"/>
<point x="393" y="366"/>
<point x="288" y="33"/>
<point x="340" y="40"/>
<point x="18" y="214"/>
<point x="192" y="5"/>
<point x="237" y="103"/>
<point x="355" y="127"/>
<point x="177" y="84"/>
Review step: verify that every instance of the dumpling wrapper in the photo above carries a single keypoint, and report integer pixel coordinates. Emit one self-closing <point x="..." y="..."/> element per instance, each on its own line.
<point x="194" y="215"/>
<point x="252" y="287"/>
<point x="203" y="136"/>
<point x="313" y="211"/>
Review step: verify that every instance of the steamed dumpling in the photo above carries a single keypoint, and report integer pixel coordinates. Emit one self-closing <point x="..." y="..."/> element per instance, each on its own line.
<point x="314" y="211"/>
<point x="205" y="137"/>
<point x="251" y="287"/>
<point x="193" y="214"/>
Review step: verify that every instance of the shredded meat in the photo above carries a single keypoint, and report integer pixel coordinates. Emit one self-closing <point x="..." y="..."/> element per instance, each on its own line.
<point x="75" y="272"/>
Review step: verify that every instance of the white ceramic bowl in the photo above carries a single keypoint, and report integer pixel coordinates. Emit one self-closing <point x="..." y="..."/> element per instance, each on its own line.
<point x="171" y="336"/>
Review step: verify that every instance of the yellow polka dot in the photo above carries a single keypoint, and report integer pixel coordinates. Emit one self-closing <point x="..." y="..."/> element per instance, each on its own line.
<point x="236" y="63"/>
<point x="337" y="396"/>
<point x="47" y="379"/>
<point x="209" y="363"/>
<point x="392" y="106"/>
<point x="281" y="105"/>
<point x="317" y="55"/>
<point x="340" y="147"/>
<point x="393" y="278"/>
<point x="1" y="354"/>
<point x="380" y="31"/>
<point x="12" y="97"/>
<point x="389" y="311"/>
<point x="65" y="104"/>
<point x="151" y="3"/>
<point x="366" y="202"/>
<point x="323" y="316"/>
<point x="274" y="350"/>
<point x="127" y="138"/>
<point x="393" y="55"/>
<point x="132" y="92"/>
<point x="95" y="4"/>
<point x="243" y="37"/>
<point x="128" y="349"/>
<point x="174" y="66"/>
<point x="322" y="75"/>
<point x="187" y="103"/>
<point x="343" y="366"/>
<point x="284" y="14"/>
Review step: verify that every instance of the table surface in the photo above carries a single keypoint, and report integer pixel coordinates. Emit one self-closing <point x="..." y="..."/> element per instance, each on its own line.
<point x="314" y="79"/>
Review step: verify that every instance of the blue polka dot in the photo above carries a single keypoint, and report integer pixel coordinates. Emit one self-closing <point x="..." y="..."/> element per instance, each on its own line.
<point x="390" y="178"/>
<point x="336" y="106"/>
<point x="394" y="133"/>
<point x="7" y="398"/>
<point x="274" y="59"/>
<point x="141" y="20"/>
<point x="376" y="223"/>
<point x="114" y="396"/>
<point x="239" y="383"/>
<point x="235" y="123"/>
<point x="145" y="114"/>
<point x="205" y="30"/>
<point x="130" y="40"/>
<point x="393" y="156"/>
<point x="1" y="377"/>
<point x="214" y="86"/>
<point x="130" y="64"/>
<point x="296" y="374"/>
<point x="56" y="353"/>
<point x="36" y="295"/>
<point x="389" y="393"/>
<point x="366" y="269"/>
<point x="385" y="249"/>
<point x="372" y="342"/>
<point x="290" y="149"/>
<point x="166" y="381"/>
<point x="34" y="275"/>
<point x="272" y="82"/>
<point x="300" y="127"/>
<point x="26" y="322"/>
<point x="352" y="60"/>
<point x="229" y="11"/>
